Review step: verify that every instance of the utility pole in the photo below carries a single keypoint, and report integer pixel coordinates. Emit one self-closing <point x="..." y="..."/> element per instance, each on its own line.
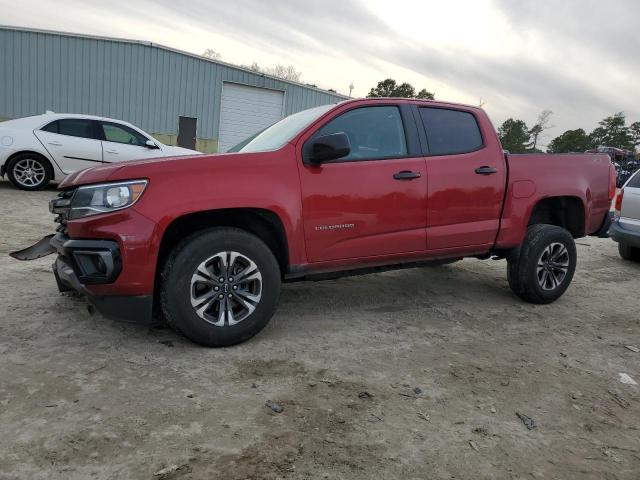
<point x="351" y="87"/>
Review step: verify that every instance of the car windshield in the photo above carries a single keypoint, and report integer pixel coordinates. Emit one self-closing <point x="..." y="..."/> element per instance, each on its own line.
<point x="275" y="136"/>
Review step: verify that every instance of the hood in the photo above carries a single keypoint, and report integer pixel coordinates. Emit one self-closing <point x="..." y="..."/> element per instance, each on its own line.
<point x="149" y="167"/>
<point x="90" y="175"/>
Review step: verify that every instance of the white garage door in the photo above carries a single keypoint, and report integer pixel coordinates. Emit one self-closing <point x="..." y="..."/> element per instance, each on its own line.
<point x="245" y="111"/>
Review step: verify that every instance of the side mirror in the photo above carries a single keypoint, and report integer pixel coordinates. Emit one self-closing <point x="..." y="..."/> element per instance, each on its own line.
<point x="327" y="147"/>
<point x="151" y="144"/>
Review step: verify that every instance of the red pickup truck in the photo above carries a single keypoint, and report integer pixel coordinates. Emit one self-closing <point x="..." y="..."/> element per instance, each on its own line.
<point x="362" y="186"/>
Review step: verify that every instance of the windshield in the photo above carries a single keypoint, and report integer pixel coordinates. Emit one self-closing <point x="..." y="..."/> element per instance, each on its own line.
<point x="278" y="134"/>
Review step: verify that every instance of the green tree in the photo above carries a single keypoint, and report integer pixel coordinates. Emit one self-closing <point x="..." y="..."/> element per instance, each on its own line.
<point x="404" y="90"/>
<point x="634" y="129"/>
<point x="613" y="132"/>
<point x="514" y="136"/>
<point x="570" y="141"/>
<point x="385" y="88"/>
<point x="430" y="96"/>
<point x="389" y="88"/>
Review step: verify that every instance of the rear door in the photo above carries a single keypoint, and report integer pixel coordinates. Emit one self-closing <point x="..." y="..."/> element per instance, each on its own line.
<point x="121" y="143"/>
<point x="372" y="202"/>
<point x="466" y="180"/>
<point x="72" y="142"/>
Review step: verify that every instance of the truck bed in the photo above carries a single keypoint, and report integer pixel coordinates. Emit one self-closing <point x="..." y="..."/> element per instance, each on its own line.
<point x="534" y="177"/>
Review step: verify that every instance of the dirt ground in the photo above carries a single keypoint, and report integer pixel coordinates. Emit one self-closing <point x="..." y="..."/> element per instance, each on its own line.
<point x="415" y="374"/>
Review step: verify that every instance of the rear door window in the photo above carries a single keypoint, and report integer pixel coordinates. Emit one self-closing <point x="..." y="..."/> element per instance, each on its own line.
<point x="77" y="127"/>
<point x="73" y="127"/>
<point x="451" y="132"/>
<point x="51" y="127"/>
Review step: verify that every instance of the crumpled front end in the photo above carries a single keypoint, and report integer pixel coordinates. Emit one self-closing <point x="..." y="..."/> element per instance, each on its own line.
<point x="93" y="259"/>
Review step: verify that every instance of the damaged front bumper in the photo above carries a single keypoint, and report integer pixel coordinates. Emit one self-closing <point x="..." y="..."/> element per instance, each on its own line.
<point x="93" y="262"/>
<point x="82" y="263"/>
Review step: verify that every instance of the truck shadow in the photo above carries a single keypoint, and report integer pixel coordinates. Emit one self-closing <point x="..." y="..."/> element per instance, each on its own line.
<point x="389" y="297"/>
<point x="397" y="291"/>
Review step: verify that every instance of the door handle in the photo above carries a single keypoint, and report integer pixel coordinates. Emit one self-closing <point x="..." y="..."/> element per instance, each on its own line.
<point x="55" y="144"/>
<point x="484" y="170"/>
<point x="406" y="175"/>
<point x="115" y="152"/>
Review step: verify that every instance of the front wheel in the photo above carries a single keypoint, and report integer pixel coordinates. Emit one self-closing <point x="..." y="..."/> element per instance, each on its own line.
<point x="544" y="269"/>
<point x="220" y="286"/>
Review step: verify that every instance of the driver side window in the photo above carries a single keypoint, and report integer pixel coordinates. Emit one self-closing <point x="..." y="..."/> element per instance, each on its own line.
<point x="374" y="132"/>
<point x="122" y="134"/>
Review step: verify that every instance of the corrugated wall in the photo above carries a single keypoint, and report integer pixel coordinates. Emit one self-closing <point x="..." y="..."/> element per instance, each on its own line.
<point x="144" y="84"/>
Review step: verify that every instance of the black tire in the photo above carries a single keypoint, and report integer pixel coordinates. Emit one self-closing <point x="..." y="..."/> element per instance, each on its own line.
<point x="41" y="165"/>
<point x="522" y="270"/>
<point x="627" y="252"/>
<point x="177" y="290"/>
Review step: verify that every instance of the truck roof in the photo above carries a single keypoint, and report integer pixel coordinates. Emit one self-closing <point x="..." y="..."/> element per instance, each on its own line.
<point x="412" y="100"/>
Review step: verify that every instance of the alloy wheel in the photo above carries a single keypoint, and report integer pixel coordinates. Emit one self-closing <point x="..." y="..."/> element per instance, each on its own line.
<point x="29" y="172"/>
<point x="553" y="266"/>
<point x="226" y="288"/>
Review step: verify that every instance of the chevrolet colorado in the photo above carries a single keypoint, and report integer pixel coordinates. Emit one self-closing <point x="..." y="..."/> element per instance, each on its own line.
<point x="365" y="185"/>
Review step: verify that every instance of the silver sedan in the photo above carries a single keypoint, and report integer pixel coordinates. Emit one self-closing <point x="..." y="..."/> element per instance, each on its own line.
<point x="625" y="228"/>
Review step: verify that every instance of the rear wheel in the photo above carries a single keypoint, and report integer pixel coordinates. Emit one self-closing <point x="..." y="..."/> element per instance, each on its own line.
<point x="220" y="287"/>
<point x="29" y="171"/>
<point x="628" y="252"/>
<point x="544" y="269"/>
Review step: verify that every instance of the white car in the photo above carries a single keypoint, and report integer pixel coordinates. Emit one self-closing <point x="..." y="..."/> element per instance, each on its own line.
<point x="45" y="148"/>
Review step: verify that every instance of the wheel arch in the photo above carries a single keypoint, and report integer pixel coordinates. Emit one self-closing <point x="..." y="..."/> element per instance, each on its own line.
<point x="263" y="223"/>
<point x="31" y="152"/>
<point x="565" y="211"/>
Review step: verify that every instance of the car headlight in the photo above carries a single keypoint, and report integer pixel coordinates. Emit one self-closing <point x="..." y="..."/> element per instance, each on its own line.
<point x="107" y="197"/>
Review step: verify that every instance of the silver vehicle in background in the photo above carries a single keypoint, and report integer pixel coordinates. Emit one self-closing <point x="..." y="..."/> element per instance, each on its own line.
<point x="625" y="228"/>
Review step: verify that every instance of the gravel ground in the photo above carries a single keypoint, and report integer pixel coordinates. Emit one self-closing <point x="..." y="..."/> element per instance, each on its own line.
<point x="411" y="374"/>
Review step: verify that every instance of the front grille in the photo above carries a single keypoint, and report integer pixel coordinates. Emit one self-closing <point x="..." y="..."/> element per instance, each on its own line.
<point x="60" y="207"/>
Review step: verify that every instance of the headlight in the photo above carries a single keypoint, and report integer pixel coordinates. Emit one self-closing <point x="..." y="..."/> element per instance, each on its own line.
<point x="107" y="197"/>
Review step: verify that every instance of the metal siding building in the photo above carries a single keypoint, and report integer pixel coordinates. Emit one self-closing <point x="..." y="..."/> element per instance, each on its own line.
<point x="143" y="83"/>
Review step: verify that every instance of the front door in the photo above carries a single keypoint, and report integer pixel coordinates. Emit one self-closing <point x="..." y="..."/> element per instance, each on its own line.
<point x="466" y="180"/>
<point x="371" y="202"/>
<point x="187" y="132"/>
<point x="72" y="142"/>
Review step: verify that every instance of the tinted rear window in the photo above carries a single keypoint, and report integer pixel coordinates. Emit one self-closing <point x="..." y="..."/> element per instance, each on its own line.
<point x="77" y="127"/>
<point x="635" y="181"/>
<point x="450" y="131"/>
<point x="73" y="127"/>
<point x="51" y="127"/>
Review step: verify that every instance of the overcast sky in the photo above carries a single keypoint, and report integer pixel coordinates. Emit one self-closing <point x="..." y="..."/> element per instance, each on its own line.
<point x="578" y="58"/>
